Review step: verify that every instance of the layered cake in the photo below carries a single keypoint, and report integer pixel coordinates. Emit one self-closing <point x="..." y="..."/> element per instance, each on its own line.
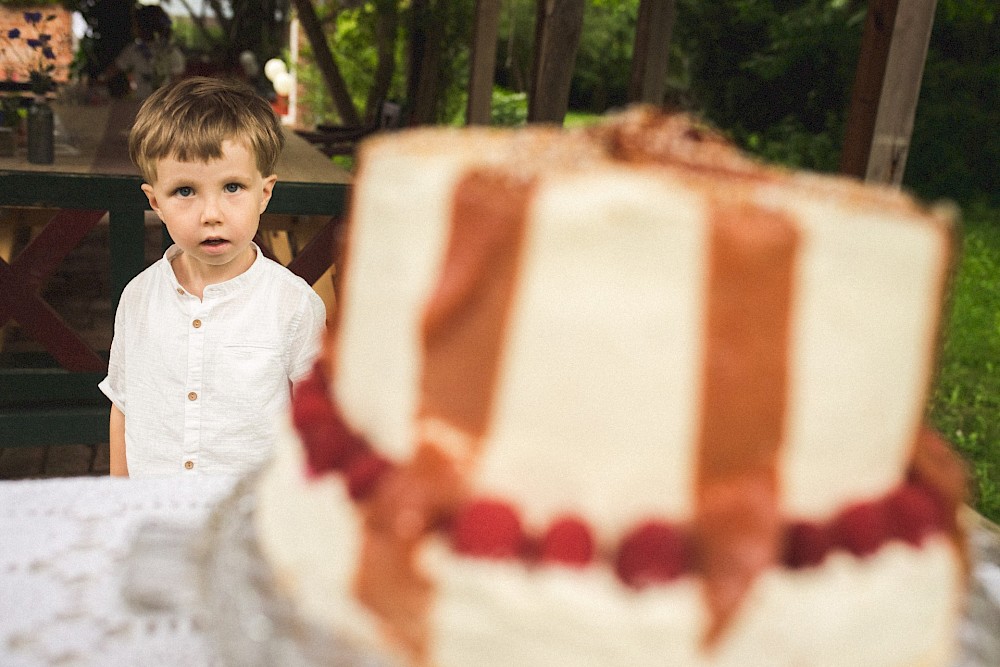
<point x="622" y="396"/>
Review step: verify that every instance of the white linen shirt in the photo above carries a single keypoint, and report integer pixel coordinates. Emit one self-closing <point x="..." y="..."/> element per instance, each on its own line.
<point x="200" y="381"/>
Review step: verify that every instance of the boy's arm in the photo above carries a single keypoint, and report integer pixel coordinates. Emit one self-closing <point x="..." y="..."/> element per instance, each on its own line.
<point x="116" y="434"/>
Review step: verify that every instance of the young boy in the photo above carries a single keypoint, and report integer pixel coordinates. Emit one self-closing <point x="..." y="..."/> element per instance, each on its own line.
<point x="209" y="338"/>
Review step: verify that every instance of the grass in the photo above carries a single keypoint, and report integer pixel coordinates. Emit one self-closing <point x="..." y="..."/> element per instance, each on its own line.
<point x="579" y="118"/>
<point x="965" y="405"/>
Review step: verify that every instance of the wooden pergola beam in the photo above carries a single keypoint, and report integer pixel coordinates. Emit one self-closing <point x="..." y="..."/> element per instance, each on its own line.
<point x="886" y="89"/>
<point x="900" y="92"/>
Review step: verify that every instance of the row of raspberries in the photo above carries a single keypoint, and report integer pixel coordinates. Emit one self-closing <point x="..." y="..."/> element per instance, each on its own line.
<point x="650" y="553"/>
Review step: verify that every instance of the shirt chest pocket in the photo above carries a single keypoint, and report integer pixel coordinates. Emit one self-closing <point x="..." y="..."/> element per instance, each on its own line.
<point x="253" y="371"/>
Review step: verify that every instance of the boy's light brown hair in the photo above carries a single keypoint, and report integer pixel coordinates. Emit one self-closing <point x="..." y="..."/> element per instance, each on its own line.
<point x="190" y="119"/>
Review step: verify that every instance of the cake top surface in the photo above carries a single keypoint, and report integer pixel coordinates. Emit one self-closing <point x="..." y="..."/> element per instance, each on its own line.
<point x="645" y="140"/>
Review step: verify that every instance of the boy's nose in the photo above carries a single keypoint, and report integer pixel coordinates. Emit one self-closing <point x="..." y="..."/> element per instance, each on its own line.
<point x="211" y="213"/>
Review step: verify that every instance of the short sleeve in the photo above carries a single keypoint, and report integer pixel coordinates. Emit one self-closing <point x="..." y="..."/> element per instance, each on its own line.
<point x="113" y="385"/>
<point x="307" y="336"/>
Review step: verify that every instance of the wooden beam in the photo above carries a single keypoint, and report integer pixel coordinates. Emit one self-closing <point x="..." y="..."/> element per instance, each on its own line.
<point x="484" y="58"/>
<point x="868" y="79"/>
<point x="900" y="92"/>
<point x="648" y="78"/>
<point x="327" y="65"/>
<point x="558" y="27"/>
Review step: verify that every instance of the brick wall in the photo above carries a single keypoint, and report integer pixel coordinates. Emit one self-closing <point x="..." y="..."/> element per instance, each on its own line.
<point x="16" y="54"/>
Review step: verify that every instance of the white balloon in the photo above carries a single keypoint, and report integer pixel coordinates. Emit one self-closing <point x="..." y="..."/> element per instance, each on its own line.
<point x="283" y="83"/>
<point x="273" y="68"/>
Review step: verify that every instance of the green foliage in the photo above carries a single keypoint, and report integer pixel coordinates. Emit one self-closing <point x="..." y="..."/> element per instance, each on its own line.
<point x="604" y="58"/>
<point x="955" y="148"/>
<point x="508" y="108"/>
<point x="351" y="38"/>
<point x="352" y="41"/>
<point x="775" y="74"/>
<point x="966" y="398"/>
<point x="790" y="143"/>
<point x="515" y="44"/>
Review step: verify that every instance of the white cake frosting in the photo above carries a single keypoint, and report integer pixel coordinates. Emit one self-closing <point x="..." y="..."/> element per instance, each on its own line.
<point x="897" y="608"/>
<point x="598" y="406"/>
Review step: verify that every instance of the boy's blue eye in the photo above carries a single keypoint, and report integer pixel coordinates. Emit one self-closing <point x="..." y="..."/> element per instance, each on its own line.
<point x="185" y="191"/>
<point x="233" y="187"/>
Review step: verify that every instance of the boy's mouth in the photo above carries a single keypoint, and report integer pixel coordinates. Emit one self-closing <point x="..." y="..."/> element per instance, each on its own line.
<point x="213" y="242"/>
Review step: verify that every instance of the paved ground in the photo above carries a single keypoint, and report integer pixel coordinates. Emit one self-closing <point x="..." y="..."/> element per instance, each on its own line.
<point x="57" y="461"/>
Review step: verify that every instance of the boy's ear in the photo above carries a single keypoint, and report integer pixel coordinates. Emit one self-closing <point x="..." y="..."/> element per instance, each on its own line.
<point x="268" y="187"/>
<point x="151" y="196"/>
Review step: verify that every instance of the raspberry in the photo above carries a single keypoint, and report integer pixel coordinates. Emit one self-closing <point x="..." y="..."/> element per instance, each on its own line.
<point x="807" y="544"/>
<point x="913" y="514"/>
<point x="310" y="384"/>
<point x="363" y="473"/>
<point x="652" y="553"/>
<point x="861" y="528"/>
<point x="567" y="541"/>
<point x="487" y="529"/>
<point x="328" y="442"/>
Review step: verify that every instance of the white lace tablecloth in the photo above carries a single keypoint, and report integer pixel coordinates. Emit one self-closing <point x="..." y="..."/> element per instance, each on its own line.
<point x="76" y="591"/>
<point x="63" y="551"/>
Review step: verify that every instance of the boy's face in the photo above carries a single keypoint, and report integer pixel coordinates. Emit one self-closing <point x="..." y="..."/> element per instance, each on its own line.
<point x="212" y="209"/>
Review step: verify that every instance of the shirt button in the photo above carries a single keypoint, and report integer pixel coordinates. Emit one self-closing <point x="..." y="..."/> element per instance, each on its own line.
<point x="196" y="324"/>
<point x="192" y="396"/>
<point x="188" y="465"/>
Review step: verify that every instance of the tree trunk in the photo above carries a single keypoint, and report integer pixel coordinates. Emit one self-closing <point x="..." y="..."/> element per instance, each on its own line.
<point x="485" y="29"/>
<point x="326" y="64"/>
<point x="386" y="26"/>
<point x="425" y="55"/>
<point x="648" y="78"/>
<point x="557" y="37"/>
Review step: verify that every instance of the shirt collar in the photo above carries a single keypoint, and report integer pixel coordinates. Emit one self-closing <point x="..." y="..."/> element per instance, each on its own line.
<point x="217" y="289"/>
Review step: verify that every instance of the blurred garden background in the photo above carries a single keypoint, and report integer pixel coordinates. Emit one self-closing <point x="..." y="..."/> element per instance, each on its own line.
<point x="775" y="75"/>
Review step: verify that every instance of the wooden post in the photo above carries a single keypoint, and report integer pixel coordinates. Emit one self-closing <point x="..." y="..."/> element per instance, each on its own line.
<point x="558" y="27"/>
<point x="648" y="79"/>
<point x="867" y="90"/>
<point x="484" y="58"/>
<point x="900" y="91"/>
<point x="327" y="65"/>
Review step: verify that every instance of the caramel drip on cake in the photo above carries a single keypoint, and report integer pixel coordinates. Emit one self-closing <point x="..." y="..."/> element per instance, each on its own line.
<point x="939" y="468"/>
<point x="465" y="321"/>
<point x="751" y="273"/>
<point x="405" y="506"/>
<point x="464" y="328"/>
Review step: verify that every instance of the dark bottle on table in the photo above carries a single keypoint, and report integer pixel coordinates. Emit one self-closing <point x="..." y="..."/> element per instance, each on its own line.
<point x="41" y="133"/>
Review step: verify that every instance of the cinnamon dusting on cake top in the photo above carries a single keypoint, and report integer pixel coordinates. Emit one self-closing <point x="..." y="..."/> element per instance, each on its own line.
<point x="640" y="138"/>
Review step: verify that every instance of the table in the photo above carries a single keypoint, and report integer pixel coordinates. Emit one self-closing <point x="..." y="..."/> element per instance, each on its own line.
<point x="56" y="400"/>
<point x="65" y="557"/>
